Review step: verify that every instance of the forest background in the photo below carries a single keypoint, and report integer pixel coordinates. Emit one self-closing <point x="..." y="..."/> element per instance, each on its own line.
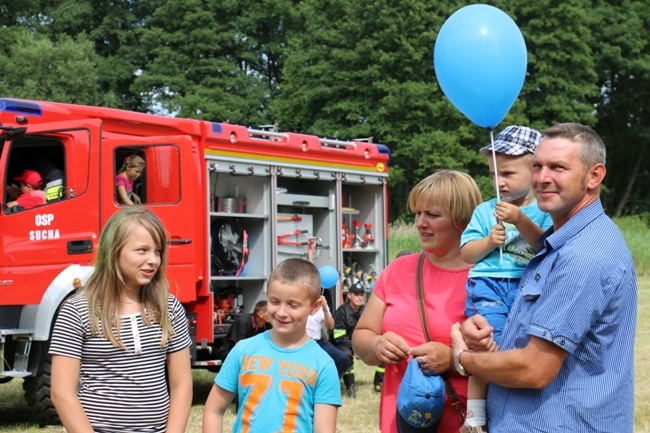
<point x="342" y="69"/>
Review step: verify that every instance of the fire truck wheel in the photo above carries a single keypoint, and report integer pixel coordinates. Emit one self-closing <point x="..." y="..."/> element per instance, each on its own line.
<point x="37" y="389"/>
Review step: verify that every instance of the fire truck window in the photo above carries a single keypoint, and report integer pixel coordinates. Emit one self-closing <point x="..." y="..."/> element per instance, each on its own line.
<point x="33" y="157"/>
<point x="154" y="172"/>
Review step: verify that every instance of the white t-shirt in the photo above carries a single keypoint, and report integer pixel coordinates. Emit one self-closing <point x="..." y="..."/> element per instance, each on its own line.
<point x="315" y="324"/>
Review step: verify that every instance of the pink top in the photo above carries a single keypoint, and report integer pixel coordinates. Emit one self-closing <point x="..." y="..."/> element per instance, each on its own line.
<point x="444" y="292"/>
<point x="31" y="199"/>
<point x="121" y="180"/>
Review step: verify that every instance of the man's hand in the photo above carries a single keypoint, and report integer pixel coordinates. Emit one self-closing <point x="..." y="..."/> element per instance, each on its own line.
<point x="477" y="334"/>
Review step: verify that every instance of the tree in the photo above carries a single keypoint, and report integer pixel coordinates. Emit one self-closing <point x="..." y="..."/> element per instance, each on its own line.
<point x="561" y="78"/>
<point x="364" y="69"/>
<point x="623" y="58"/>
<point x="112" y="27"/>
<point x="217" y="62"/>
<point x="37" y="68"/>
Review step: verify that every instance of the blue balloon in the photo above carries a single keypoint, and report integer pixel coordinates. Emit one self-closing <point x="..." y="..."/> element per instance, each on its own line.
<point x="329" y="276"/>
<point x="480" y="62"/>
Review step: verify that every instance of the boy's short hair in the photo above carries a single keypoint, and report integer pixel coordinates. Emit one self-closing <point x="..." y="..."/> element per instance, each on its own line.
<point x="298" y="272"/>
<point x="515" y="141"/>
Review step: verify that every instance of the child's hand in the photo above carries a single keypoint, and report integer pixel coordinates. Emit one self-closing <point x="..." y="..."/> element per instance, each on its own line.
<point x="497" y="235"/>
<point x="507" y="212"/>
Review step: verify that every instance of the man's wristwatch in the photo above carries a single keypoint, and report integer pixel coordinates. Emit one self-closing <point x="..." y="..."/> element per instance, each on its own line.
<point x="457" y="366"/>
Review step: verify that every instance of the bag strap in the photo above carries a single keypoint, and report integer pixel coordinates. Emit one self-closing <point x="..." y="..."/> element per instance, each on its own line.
<point x="451" y="392"/>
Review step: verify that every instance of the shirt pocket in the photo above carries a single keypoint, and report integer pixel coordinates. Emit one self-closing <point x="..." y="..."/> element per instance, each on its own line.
<point x="530" y="292"/>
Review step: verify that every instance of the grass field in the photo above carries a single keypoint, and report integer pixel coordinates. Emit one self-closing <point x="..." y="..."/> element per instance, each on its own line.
<point x="361" y="414"/>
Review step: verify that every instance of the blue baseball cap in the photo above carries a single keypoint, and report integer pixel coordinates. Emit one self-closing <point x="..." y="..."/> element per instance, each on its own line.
<point x="420" y="400"/>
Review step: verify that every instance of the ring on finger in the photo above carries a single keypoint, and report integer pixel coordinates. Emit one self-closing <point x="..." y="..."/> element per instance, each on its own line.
<point x="388" y="353"/>
<point x="421" y="360"/>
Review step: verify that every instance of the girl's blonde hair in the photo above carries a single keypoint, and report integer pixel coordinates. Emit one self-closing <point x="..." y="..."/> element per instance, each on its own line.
<point x="131" y="161"/>
<point x="104" y="285"/>
<point x="453" y="191"/>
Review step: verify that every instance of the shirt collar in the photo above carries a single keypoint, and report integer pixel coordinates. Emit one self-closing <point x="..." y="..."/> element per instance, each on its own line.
<point x="553" y="239"/>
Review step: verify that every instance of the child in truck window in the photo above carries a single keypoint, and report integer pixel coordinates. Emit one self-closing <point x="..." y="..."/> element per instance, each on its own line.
<point x="131" y="170"/>
<point x="120" y="347"/>
<point x="31" y="193"/>
<point x="284" y="380"/>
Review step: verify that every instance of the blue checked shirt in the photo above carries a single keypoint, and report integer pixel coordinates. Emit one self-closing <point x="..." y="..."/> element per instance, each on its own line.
<point x="579" y="292"/>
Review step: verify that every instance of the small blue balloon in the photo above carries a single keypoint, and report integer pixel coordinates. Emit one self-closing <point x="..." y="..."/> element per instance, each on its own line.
<point x="329" y="276"/>
<point x="480" y="61"/>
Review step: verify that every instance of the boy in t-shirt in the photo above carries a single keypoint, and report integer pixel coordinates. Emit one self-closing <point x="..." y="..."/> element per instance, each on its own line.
<point x="31" y="193"/>
<point x="284" y="380"/>
<point x="500" y="239"/>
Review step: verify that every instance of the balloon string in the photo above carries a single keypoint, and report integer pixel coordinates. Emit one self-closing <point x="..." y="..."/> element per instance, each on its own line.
<point x="496" y="184"/>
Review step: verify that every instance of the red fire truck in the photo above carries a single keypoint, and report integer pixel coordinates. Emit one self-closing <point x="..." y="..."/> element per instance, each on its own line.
<point x="235" y="201"/>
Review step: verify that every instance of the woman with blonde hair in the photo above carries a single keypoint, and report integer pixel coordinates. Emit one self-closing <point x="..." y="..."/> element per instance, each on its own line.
<point x="120" y="347"/>
<point x="389" y="330"/>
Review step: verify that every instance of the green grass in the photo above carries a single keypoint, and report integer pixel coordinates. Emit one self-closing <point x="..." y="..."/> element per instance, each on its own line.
<point x="637" y="236"/>
<point x="642" y="360"/>
<point x="402" y="237"/>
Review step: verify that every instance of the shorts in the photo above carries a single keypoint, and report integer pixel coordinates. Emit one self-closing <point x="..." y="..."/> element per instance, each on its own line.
<point x="492" y="298"/>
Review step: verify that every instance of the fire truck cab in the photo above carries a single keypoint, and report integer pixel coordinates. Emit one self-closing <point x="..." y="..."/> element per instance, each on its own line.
<point x="235" y="201"/>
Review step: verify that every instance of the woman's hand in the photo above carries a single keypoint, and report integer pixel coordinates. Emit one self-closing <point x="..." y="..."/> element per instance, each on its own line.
<point x="391" y="348"/>
<point x="433" y="357"/>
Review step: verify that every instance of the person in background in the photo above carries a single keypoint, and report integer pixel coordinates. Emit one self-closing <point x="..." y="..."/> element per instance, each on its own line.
<point x="566" y="359"/>
<point x="53" y="179"/>
<point x="31" y="191"/>
<point x="284" y="380"/>
<point x="500" y="239"/>
<point x="315" y="324"/>
<point x="245" y="326"/>
<point x="389" y="329"/>
<point x="120" y="347"/>
<point x="345" y="320"/>
<point x="131" y="170"/>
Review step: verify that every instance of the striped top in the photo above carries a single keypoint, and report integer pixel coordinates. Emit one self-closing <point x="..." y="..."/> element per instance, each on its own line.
<point x="579" y="293"/>
<point x="120" y="390"/>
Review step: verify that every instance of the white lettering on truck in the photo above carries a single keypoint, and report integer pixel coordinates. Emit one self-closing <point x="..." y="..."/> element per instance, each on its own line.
<point x="41" y="235"/>
<point x="43" y="220"/>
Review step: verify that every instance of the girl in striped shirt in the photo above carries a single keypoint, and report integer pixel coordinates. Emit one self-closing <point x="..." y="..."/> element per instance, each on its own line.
<point x="114" y="342"/>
